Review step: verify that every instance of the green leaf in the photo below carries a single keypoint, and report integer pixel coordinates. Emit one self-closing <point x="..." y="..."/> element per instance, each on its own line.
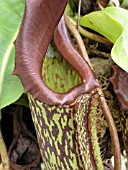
<point x="111" y="22"/>
<point x="11" y="13"/>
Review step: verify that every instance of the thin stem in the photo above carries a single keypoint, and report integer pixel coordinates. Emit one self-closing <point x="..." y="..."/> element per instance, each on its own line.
<point x="79" y="11"/>
<point x="115" y="3"/>
<point x="112" y="130"/>
<point x="105" y="108"/>
<point x="99" y="53"/>
<point x="102" y="3"/>
<point x="3" y="152"/>
<point x="90" y="35"/>
<point x="78" y="38"/>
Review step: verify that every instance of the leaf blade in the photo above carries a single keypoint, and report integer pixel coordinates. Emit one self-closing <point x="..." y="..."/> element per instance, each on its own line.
<point x="112" y="23"/>
<point x="10" y="16"/>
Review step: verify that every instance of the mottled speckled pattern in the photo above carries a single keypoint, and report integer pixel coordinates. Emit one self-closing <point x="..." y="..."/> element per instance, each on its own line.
<point x="56" y="136"/>
<point x="65" y="143"/>
<point x="86" y="118"/>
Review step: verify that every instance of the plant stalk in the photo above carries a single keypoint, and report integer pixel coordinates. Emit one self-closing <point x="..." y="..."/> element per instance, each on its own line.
<point x="3" y="151"/>
<point x="105" y="108"/>
<point x="79" y="11"/>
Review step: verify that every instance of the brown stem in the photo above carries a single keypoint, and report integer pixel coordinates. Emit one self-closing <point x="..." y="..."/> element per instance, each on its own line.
<point x="105" y="108"/>
<point x="78" y="38"/>
<point x="112" y="130"/>
<point x="102" y="3"/>
<point x="99" y="53"/>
